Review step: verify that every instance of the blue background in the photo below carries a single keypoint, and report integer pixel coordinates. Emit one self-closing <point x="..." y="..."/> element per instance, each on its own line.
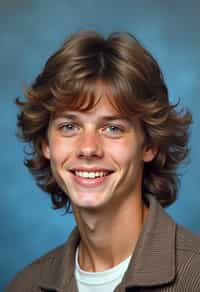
<point x="30" y="31"/>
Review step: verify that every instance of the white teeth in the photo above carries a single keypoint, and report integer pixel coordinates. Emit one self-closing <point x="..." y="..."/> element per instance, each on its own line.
<point x="90" y="174"/>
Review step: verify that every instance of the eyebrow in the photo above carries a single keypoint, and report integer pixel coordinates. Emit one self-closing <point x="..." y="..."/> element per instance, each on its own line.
<point x="107" y="118"/>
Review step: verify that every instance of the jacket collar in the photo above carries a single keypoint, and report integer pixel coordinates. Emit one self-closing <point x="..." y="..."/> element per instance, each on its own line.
<point x="58" y="270"/>
<point x="153" y="261"/>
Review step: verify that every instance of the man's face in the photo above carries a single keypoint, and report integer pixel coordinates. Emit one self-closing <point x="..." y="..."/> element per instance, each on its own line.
<point x="97" y="156"/>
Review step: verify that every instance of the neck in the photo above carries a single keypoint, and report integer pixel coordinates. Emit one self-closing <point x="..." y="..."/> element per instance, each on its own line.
<point x="109" y="236"/>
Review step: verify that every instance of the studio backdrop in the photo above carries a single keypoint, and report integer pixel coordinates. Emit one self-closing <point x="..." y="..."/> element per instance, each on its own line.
<point x="30" y="32"/>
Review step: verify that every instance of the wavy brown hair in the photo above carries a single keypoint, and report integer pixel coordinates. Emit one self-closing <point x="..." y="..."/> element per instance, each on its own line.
<point x="137" y="87"/>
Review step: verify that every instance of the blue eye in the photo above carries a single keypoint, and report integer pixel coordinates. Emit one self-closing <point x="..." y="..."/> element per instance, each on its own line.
<point x="114" y="128"/>
<point x="111" y="129"/>
<point x="68" y="128"/>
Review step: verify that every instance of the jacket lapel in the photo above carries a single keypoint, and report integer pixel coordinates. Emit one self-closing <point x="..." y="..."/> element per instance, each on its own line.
<point x="58" y="274"/>
<point x="153" y="261"/>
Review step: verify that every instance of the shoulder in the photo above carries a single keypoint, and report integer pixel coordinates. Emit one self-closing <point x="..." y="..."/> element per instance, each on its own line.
<point x="188" y="258"/>
<point x="187" y="240"/>
<point x="27" y="279"/>
<point x="49" y="270"/>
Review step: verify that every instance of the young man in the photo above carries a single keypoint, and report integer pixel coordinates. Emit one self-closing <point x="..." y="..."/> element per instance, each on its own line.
<point x="107" y="142"/>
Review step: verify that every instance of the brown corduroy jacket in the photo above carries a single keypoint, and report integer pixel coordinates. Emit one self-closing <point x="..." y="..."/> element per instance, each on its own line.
<point x="166" y="258"/>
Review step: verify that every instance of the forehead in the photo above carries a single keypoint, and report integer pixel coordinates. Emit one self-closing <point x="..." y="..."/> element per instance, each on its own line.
<point x="103" y="109"/>
<point x="95" y="97"/>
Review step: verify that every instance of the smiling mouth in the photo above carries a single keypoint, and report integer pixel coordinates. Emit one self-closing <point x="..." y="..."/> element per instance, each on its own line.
<point x="90" y="179"/>
<point x="91" y="174"/>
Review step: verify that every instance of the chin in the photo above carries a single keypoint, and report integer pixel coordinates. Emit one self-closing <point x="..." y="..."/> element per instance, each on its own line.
<point x="87" y="203"/>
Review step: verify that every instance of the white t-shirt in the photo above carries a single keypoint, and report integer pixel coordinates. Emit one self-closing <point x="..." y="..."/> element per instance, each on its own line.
<point x="105" y="281"/>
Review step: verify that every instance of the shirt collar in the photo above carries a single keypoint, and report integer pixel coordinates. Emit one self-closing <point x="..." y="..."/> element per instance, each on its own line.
<point x="153" y="261"/>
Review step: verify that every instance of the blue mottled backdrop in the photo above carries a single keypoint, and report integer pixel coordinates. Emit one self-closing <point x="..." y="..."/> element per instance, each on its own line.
<point x="30" y="31"/>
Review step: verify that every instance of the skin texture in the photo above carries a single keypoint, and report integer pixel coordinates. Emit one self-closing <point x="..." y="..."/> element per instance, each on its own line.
<point x="103" y="210"/>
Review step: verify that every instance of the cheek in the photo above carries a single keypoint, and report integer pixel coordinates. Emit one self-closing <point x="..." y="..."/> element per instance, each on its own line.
<point x="126" y="152"/>
<point x="59" y="150"/>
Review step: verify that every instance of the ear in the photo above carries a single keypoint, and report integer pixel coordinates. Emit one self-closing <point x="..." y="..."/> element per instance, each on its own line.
<point x="45" y="149"/>
<point x="149" y="153"/>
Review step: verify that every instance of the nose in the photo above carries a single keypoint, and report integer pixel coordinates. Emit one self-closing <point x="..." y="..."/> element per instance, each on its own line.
<point x="90" y="145"/>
